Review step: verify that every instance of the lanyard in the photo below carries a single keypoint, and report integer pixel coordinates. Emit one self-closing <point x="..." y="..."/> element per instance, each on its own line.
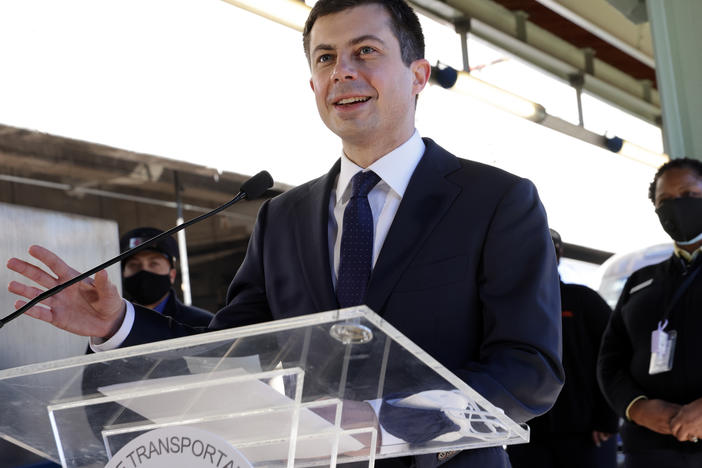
<point x="679" y="292"/>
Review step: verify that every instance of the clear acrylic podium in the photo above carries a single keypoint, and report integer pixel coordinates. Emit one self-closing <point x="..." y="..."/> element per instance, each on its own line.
<point x="294" y="392"/>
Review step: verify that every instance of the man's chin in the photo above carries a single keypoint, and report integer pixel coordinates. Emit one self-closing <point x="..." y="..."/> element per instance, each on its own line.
<point x="356" y="138"/>
<point x="352" y="130"/>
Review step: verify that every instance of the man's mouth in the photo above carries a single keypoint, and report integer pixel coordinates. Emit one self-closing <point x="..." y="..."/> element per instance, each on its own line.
<point x="351" y="100"/>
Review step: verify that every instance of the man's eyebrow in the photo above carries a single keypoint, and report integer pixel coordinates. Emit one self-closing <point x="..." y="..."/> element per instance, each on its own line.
<point x="322" y="47"/>
<point x="366" y="37"/>
<point x="354" y="41"/>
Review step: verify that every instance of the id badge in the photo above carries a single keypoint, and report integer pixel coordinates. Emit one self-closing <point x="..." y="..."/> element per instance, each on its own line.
<point x="662" y="349"/>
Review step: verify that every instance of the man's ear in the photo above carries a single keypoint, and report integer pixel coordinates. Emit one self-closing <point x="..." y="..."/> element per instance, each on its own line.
<point x="421" y="69"/>
<point x="312" y="84"/>
<point x="172" y="275"/>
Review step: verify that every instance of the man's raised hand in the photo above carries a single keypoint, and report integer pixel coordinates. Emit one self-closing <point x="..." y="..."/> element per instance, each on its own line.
<point x="92" y="307"/>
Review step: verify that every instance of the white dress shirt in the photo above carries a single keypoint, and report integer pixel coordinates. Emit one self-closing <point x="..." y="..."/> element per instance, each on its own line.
<point x="395" y="170"/>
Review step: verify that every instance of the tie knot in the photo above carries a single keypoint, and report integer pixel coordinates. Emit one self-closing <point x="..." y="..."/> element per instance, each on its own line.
<point x="363" y="182"/>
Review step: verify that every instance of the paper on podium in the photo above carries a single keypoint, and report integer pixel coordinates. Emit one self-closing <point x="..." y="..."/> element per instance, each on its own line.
<point x="255" y="416"/>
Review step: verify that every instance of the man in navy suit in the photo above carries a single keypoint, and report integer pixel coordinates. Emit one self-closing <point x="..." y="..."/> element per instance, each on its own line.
<point x="461" y="261"/>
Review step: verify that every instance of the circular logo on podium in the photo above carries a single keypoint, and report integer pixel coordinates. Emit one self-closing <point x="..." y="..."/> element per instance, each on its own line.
<point x="178" y="446"/>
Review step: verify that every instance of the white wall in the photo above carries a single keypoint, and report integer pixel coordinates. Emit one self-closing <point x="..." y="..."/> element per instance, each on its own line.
<point x="83" y="242"/>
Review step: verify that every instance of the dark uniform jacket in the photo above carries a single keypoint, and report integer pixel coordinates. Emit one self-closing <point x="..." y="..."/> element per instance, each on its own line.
<point x="580" y="407"/>
<point x="190" y="315"/>
<point x="626" y="348"/>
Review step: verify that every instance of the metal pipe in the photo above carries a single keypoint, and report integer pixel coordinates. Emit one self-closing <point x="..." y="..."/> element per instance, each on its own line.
<point x="182" y="244"/>
<point x="115" y="195"/>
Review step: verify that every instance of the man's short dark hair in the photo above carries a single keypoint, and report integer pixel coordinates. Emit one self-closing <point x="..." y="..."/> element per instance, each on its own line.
<point x="679" y="163"/>
<point x="403" y="21"/>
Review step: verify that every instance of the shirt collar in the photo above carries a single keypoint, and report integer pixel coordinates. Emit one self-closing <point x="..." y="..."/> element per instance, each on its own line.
<point x="684" y="254"/>
<point x="395" y="168"/>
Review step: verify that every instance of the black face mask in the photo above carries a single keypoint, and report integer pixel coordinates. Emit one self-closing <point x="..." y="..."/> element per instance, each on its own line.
<point x="682" y="219"/>
<point x="145" y="287"/>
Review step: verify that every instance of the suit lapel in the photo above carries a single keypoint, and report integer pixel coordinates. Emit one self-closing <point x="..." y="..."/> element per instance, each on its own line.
<point x="427" y="198"/>
<point x="311" y="233"/>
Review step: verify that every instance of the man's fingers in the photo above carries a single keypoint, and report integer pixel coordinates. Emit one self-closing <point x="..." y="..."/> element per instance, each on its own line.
<point x="100" y="288"/>
<point x="38" y="312"/>
<point x="107" y="288"/>
<point x="32" y="272"/>
<point x="29" y="292"/>
<point x="102" y="282"/>
<point x="50" y="259"/>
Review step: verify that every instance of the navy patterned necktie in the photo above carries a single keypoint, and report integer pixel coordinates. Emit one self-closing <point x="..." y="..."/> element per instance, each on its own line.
<point x="356" y="251"/>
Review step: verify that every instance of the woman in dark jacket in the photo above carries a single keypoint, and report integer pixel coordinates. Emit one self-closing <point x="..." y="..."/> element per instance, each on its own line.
<point x="650" y="362"/>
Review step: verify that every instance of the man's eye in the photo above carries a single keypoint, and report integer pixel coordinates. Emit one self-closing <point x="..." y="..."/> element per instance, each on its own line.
<point x="324" y="58"/>
<point x="366" y="50"/>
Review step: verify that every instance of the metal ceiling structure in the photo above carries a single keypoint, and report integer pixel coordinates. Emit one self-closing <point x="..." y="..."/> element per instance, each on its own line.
<point x="134" y="189"/>
<point x="591" y="45"/>
<point x="597" y="25"/>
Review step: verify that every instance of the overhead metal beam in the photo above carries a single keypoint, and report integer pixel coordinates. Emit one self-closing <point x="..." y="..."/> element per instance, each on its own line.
<point x="606" y="22"/>
<point x="499" y="26"/>
<point x="82" y="179"/>
<point x="29" y="140"/>
<point x="240" y="216"/>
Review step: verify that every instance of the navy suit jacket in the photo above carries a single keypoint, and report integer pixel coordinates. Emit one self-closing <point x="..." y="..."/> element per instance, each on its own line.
<point x="467" y="272"/>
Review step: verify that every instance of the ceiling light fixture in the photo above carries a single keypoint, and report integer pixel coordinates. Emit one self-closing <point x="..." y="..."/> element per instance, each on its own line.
<point x="635" y="152"/>
<point x="462" y="82"/>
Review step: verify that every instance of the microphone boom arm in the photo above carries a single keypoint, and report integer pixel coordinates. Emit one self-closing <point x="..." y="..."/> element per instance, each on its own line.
<point x="256" y="185"/>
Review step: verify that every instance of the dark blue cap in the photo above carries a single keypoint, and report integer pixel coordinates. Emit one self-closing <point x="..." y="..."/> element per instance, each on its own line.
<point x="167" y="246"/>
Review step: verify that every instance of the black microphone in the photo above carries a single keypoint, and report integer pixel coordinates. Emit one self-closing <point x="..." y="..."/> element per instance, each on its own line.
<point x="252" y="188"/>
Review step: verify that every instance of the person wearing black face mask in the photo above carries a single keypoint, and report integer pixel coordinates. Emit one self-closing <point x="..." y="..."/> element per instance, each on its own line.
<point x="148" y="276"/>
<point x="147" y="280"/>
<point x="649" y="362"/>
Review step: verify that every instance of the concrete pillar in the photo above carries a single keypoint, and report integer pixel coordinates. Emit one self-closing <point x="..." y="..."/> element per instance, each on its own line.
<point x="677" y="43"/>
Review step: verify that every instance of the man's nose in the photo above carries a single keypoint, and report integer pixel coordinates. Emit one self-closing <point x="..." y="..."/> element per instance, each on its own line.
<point x="344" y="69"/>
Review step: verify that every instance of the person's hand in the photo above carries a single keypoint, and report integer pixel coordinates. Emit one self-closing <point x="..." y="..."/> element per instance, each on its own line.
<point x="654" y="414"/>
<point x="687" y="424"/>
<point x="92" y="307"/>
<point x="599" y="437"/>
